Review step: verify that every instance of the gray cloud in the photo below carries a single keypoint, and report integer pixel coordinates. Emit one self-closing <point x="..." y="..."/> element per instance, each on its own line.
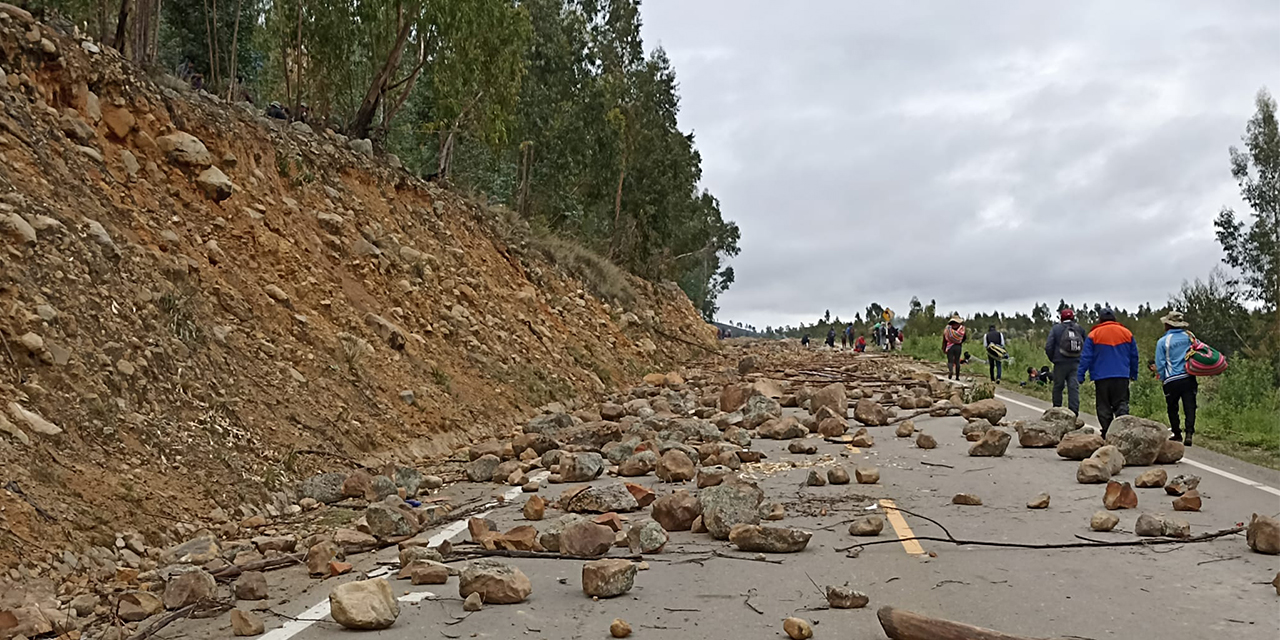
<point x="984" y="154"/>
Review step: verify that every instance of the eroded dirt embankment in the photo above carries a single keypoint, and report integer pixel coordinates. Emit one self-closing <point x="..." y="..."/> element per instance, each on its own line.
<point x="170" y="349"/>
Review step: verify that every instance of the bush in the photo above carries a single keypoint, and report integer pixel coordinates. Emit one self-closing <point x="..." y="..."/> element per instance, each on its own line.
<point x="603" y="278"/>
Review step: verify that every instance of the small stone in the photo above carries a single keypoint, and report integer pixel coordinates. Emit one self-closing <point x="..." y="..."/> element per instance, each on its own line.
<point x="926" y="441"/>
<point x="338" y="567"/>
<point x="1263" y="535"/>
<point x="1189" y="501"/>
<point x="846" y="598"/>
<point x="1119" y="496"/>
<point x="244" y="623"/>
<point x="775" y="512"/>
<point x="644" y="496"/>
<point x="364" y="604"/>
<point x="905" y="430"/>
<point x="815" y="479"/>
<point x="534" y="508"/>
<point x="966" y="499"/>
<point x="867" y="526"/>
<point x="189" y="587"/>
<point x="586" y="539"/>
<point x="473" y="602"/>
<point x="677" y="511"/>
<point x="1078" y="446"/>
<point x="1039" y="502"/>
<point x="215" y="184"/>
<point x="796" y="628"/>
<point x="1170" y="452"/>
<point x="867" y="475"/>
<point x="608" y="578"/>
<point x="135" y="606"/>
<point x="482" y="468"/>
<point x="1181" y="484"/>
<point x="1104" y="521"/>
<point x="837" y="475"/>
<point x="802" y="447"/>
<point x="620" y="629"/>
<point x="698" y="526"/>
<point x="425" y="572"/>
<point x="1151" y="478"/>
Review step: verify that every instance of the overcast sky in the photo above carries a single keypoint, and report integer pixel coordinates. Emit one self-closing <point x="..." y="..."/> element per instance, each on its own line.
<point x="986" y="154"/>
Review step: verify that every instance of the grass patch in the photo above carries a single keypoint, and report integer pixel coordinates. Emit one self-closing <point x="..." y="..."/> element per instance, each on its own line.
<point x="1238" y="412"/>
<point x="603" y="278"/>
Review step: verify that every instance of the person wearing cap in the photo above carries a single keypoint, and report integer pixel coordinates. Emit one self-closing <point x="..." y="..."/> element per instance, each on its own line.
<point x="952" y="337"/>
<point x="1064" y="346"/>
<point x="1110" y="357"/>
<point x="1171" y="367"/>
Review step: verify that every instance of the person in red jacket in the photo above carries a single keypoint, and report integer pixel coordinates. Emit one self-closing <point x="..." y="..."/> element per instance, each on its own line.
<point x="1110" y="357"/>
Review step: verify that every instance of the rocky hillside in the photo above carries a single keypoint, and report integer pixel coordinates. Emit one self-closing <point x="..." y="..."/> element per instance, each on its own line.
<point x="201" y="305"/>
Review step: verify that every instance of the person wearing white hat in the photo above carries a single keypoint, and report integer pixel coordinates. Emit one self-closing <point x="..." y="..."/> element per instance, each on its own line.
<point x="1171" y="366"/>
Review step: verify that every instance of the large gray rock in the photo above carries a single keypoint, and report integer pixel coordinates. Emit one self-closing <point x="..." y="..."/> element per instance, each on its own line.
<point x="646" y="536"/>
<point x="550" y="424"/>
<point x="782" y="429"/>
<point x="481" y="469"/>
<point x="759" y="410"/>
<point x="325" y="488"/>
<point x="386" y="521"/>
<point x="871" y="413"/>
<point x="1138" y="439"/>
<point x="185" y="149"/>
<point x="364" y="605"/>
<point x="550" y="539"/>
<point x="189" y="587"/>
<point x="676" y="512"/>
<point x="1061" y="420"/>
<point x="992" y="443"/>
<point x="215" y="184"/>
<point x="580" y="467"/>
<point x="730" y="503"/>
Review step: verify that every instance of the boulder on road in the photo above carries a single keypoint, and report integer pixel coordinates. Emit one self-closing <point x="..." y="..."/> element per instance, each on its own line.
<point x="1139" y="439"/>
<point x="831" y="396"/>
<point x="585" y="538"/>
<point x="364" y="605"/>
<point x="866" y="526"/>
<point x="733" y="502"/>
<point x="992" y="443"/>
<point x="602" y="499"/>
<point x="647" y="536"/>
<point x="1078" y="446"/>
<point x="496" y="582"/>
<point x="1034" y="436"/>
<point x="1170" y="452"/>
<point x="1151" y="478"/>
<point x="991" y="410"/>
<point x="1104" y="521"/>
<point x="608" y="578"/>
<point x="675" y="466"/>
<point x="1110" y="456"/>
<point x="189" y="587"/>
<point x="870" y="413"/>
<point x="757" y="538"/>
<point x="1119" y="495"/>
<point x="581" y="467"/>
<point x="782" y="429"/>
<point x="676" y="512"/>
<point x="1092" y="471"/>
<point x="1263" y="535"/>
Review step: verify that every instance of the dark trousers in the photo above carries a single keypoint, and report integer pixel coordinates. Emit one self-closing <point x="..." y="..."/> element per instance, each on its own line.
<point x="1113" y="400"/>
<point x="1064" y="375"/>
<point x="996" y="365"/>
<point x="953" y="360"/>
<point x="1183" y="389"/>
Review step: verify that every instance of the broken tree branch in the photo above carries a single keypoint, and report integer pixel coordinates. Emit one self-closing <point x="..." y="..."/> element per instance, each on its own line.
<point x="1204" y="537"/>
<point x="905" y="625"/>
<point x="459" y="555"/>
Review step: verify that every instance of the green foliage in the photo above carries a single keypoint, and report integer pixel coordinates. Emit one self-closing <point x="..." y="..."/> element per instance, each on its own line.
<point x="1214" y="309"/>
<point x="1254" y="249"/>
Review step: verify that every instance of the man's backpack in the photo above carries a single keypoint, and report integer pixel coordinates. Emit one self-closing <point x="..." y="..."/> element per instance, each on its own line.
<point x="1204" y="360"/>
<point x="1071" y="342"/>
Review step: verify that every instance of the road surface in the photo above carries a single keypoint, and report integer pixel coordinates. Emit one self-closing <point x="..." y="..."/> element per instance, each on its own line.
<point x="1214" y="589"/>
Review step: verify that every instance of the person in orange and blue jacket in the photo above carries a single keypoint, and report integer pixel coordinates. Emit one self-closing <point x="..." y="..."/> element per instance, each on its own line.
<point x="1110" y="357"/>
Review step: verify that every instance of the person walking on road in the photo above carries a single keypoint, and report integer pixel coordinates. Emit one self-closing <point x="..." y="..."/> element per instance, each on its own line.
<point x="1064" y="346"/>
<point x="1171" y="367"/>
<point x="1110" y="357"/>
<point x="892" y="340"/>
<point x="952" y="337"/>
<point x="993" y="342"/>
<point x="831" y="337"/>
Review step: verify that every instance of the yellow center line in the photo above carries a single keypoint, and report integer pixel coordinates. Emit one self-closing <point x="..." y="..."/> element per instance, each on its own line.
<point x="900" y="527"/>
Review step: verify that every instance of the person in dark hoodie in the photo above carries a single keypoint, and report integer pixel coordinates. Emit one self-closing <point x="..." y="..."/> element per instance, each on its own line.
<point x="1064" y="346"/>
<point x="1171" y="366"/>
<point x="1110" y="357"/>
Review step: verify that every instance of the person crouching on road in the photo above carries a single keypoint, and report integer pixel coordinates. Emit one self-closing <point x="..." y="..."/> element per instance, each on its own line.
<point x="1110" y="357"/>
<point x="1171" y="366"/>
<point x="952" y="337"/>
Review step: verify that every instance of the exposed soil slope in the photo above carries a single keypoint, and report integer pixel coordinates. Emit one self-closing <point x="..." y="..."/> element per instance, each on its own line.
<point x="169" y="351"/>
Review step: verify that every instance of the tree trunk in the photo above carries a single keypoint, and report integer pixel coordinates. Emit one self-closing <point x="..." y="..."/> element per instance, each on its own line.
<point x="359" y="127"/>
<point x="446" y="156"/>
<point x="617" y="209"/>
<point x="209" y="36"/>
<point x="905" y="625"/>
<point x="297" y="63"/>
<point x="122" y="21"/>
<point x="102" y="21"/>
<point x="389" y="112"/>
<point x="526" y="170"/>
<point x="235" y="36"/>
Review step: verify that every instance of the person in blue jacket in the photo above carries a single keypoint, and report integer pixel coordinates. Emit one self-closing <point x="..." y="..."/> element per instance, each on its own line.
<point x="1110" y="357"/>
<point x="1171" y="366"/>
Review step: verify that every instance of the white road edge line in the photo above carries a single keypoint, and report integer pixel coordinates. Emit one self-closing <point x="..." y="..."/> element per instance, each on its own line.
<point x="1200" y="465"/>
<point x="320" y="611"/>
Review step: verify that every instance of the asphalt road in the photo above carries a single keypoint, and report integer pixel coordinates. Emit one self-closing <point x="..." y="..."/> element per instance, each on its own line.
<point x="1197" y="591"/>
